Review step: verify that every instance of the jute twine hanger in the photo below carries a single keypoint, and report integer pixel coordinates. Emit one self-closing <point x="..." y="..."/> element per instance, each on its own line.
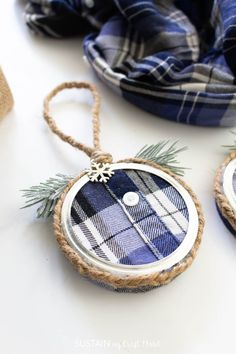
<point x="95" y="153"/>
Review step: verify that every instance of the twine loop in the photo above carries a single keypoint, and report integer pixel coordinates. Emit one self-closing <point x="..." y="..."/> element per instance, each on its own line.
<point x="101" y="156"/>
<point x="94" y="153"/>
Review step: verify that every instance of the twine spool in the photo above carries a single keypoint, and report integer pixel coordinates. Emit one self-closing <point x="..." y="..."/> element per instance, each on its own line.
<point x="6" y="98"/>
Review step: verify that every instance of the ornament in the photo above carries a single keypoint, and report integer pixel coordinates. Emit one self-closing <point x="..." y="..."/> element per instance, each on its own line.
<point x="225" y="190"/>
<point x="130" y="225"/>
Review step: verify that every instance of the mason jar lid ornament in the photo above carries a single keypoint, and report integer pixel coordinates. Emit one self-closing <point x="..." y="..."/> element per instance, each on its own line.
<point x="130" y="225"/>
<point x="225" y="190"/>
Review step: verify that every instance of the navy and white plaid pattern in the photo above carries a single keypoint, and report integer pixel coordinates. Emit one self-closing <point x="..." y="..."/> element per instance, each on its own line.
<point x="173" y="58"/>
<point x="234" y="182"/>
<point x="132" y="235"/>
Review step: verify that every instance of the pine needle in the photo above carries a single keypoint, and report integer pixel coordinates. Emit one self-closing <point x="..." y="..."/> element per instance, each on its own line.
<point x="164" y="154"/>
<point x="46" y="194"/>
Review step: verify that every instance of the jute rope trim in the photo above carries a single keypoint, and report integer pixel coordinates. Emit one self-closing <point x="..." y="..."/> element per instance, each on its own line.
<point x="95" y="152"/>
<point x="222" y="202"/>
<point x="129" y="282"/>
<point x="6" y="98"/>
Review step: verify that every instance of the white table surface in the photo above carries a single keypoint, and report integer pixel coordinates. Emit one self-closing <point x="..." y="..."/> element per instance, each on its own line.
<point x="45" y="306"/>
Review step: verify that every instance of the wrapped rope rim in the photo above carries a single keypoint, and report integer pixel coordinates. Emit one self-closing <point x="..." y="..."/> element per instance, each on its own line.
<point x="129" y="282"/>
<point x="222" y="201"/>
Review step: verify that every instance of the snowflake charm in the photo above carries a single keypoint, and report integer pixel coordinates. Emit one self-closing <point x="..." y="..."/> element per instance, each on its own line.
<point x="99" y="172"/>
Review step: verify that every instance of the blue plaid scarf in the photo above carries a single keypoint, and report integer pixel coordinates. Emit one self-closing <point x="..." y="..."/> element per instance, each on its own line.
<point x="175" y="59"/>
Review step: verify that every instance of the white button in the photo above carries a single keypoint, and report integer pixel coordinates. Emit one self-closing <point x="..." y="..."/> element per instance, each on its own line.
<point x="131" y="198"/>
<point x="89" y="3"/>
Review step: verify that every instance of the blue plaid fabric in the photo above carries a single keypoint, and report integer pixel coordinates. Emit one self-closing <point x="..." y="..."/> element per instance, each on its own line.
<point x="173" y="58"/>
<point x="234" y="182"/>
<point x="132" y="235"/>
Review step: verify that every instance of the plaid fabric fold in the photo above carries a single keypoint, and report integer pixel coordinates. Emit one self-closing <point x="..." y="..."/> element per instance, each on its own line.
<point x="133" y="235"/>
<point x="175" y="59"/>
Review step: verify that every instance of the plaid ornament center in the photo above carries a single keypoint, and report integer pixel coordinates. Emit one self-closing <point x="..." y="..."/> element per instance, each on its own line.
<point x="234" y="183"/>
<point x="137" y="234"/>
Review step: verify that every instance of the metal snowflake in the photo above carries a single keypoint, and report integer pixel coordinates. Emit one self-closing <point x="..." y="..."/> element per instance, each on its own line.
<point x="99" y="172"/>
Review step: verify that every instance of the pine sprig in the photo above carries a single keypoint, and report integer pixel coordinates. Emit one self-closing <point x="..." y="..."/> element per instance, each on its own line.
<point x="46" y="194"/>
<point x="233" y="146"/>
<point x="164" y="154"/>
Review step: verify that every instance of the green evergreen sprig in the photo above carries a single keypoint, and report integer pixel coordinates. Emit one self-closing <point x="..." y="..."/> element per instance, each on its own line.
<point x="164" y="154"/>
<point x="47" y="193"/>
